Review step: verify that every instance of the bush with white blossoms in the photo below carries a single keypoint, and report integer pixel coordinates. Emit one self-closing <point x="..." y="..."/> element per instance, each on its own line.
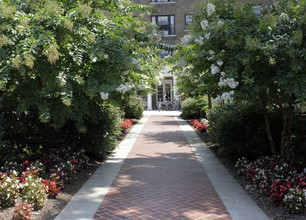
<point x="104" y="95"/>
<point x="248" y="55"/>
<point x="204" y="25"/>
<point x="211" y="8"/>
<point x="123" y="88"/>
<point x="295" y="200"/>
<point x="81" y="57"/>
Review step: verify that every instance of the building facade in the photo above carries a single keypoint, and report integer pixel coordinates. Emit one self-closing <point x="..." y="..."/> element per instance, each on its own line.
<point x="173" y="18"/>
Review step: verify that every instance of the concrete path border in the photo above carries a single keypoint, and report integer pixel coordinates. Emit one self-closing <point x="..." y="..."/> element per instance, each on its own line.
<point x="85" y="203"/>
<point x="240" y="205"/>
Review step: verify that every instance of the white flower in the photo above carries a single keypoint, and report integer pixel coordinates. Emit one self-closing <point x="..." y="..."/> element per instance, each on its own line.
<point x="210" y="9"/>
<point x="204" y="24"/>
<point x="199" y="40"/>
<point x="186" y="39"/>
<point x="123" y="88"/>
<point x="104" y="95"/>
<point x="207" y="36"/>
<point x="217" y="100"/>
<point x="226" y="96"/>
<point x="211" y="52"/>
<point x="135" y="61"/>
<point x="284" y="17"/>
<point x="232" y="83"/>
<point x="214" y="69"/>
<point x="228" y="82"/>
<point x="94" y="59"/>
<point x="222" y="73"/>
<point x="220" y="63"/>
<point x="105" y="56"/>
<point x="220" y="23"/>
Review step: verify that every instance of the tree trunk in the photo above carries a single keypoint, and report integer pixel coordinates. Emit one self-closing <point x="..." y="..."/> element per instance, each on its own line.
<point x="268" y="127"/>
<point x="209" y="100"/>
<point x="284" y="135"/>
<point x="289" y="137"/>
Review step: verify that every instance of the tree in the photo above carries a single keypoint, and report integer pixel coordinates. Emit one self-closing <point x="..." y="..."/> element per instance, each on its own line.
<point x="256" y="56"/>
<point x="61" y="61"/>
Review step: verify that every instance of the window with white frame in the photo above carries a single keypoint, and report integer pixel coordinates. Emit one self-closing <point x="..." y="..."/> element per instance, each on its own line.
<point x="165" y="23"/>
<point x="188" y="19"/>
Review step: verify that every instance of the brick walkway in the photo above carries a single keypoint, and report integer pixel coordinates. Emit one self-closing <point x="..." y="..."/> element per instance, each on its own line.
<point x="161" y="179"/>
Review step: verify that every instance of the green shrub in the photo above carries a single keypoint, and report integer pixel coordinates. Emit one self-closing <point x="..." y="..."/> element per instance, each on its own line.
<point x="240" y="131"/>
<point x="299" y="138"/>
<point x="9" y="189"/>
<point x="23" y="211"/>
<point x="133" y="108"/>
<point x="34" y="192"/>
<point x="193" y="108"/>
<point x="27" y="137"/>
<point x="295" y="200"/>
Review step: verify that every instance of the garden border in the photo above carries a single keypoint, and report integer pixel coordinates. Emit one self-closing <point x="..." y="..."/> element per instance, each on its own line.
<point x="240" y="205"/>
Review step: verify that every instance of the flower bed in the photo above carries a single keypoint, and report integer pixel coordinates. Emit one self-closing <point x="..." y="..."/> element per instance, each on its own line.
<point x="200" y="126"/>
<point x="282" y="180"/>
<point x="126" y="124"/>
<point x="27" y="185"/>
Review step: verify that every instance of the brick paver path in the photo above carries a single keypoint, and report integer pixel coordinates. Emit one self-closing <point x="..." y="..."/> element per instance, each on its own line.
<point x="161" y="179"/>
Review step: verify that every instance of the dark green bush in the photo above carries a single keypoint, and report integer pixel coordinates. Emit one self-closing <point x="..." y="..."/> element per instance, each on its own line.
<point x="194" y="108"/>
<point x="299" y="138"/>
<point x="239" y="130"/>
<point x="26" y="136"/>
<point x="133" y="108"/>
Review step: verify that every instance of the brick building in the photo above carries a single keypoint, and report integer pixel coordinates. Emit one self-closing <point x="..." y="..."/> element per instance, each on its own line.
<point x="173" y="18"/>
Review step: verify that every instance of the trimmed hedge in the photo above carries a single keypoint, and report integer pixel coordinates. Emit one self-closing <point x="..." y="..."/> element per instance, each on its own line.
<point x="133" y="108"/>
<point x="194" y="108"/>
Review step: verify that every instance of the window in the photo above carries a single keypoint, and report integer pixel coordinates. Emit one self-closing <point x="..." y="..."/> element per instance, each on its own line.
<point x="162" y="0"/>
<point x="165" y="23"/>
<point x="188" y="19"/>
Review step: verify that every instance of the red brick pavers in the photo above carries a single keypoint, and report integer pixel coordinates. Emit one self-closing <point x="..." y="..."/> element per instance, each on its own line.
<point x="161" y="179"/>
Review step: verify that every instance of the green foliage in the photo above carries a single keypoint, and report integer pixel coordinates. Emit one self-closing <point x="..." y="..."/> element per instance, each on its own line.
<point x="298" y="151"/>
<point x="63" y="66"/>
<point x="234" y="52"/>
<point x="239" y="131"/>
<point x="133" y="108"/>
<point x="295" y="200"/>
<point x="193" y="108"/>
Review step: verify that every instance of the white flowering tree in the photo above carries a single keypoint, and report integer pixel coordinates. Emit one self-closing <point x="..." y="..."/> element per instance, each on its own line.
<point x="69" y="53"/>
<point x="248" y="55"/>
<point x="62" y="60"/>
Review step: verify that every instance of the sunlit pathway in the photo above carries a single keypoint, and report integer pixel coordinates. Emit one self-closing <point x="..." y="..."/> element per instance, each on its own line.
<point x="161" y="179"/>
<point x="162" y="170"/>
